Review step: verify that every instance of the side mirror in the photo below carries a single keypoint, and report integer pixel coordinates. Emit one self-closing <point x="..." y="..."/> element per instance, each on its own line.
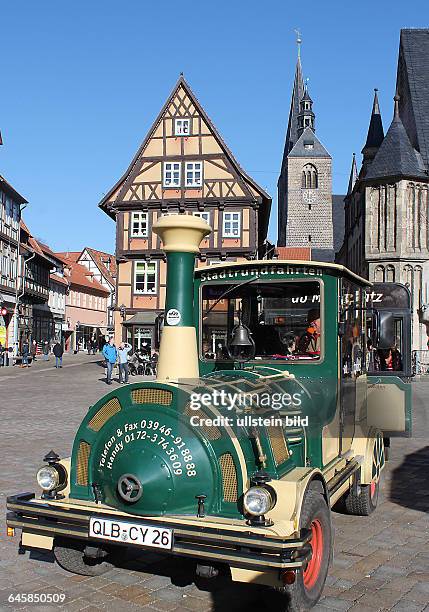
<point x="159" y="324"/>
<point x="386" y="330"/>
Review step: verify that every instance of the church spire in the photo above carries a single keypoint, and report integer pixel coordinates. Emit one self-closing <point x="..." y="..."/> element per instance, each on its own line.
<point x="297" y="95"/>
<point x="375" y="134"/>
<point x="306" y="115"/>
<point x="353" y="175"/>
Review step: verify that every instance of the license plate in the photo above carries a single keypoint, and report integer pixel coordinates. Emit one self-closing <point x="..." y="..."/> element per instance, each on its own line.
<point x="130" y="533"/>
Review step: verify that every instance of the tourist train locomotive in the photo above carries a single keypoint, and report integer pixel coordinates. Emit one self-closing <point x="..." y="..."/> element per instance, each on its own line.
<point x="262" y="418"/>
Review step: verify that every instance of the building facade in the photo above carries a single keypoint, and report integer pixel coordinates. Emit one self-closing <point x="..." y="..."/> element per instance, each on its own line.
<point x="103" y="267"/>
<point x="86" y="306"/>
<point x="49" y="314"/>
<point x="386" y="208"/>
<point x="10" y="217"/>
<point x="307" y="210"/>
<point x="35" y="321"/>
<point x="184" y="167"/>
<point x="58" y="290"/>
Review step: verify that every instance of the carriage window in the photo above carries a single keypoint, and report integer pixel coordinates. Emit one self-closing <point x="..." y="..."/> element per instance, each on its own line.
<point x="283" y="318"/>
<point x="353" y="349"/>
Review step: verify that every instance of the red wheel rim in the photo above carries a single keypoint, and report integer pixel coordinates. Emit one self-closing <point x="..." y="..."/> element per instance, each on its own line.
<point x="372" y="488"/>
<point x="312" y="571"/>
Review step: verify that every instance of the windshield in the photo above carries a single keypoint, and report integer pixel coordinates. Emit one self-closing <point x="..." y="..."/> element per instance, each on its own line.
<point x="283" y="317"/>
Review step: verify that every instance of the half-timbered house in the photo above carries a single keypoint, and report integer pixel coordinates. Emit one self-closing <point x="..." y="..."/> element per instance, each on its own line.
<point x="183" y="166"/>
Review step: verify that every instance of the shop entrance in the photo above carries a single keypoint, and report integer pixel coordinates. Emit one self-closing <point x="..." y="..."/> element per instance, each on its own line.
<point x="140" y="339"/>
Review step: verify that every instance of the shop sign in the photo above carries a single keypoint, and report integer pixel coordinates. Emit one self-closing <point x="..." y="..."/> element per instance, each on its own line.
<point x="3" y="335"/>
<point x="173" y="316"/>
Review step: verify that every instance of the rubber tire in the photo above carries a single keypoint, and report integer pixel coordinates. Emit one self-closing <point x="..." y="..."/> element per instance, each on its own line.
<point x="69" y="555"/>
<point x="296" y="597"/>
<point x="362" y="504"/>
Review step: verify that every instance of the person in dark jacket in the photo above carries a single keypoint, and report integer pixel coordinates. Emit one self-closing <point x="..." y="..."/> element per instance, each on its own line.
<point x="58" y="352"/>
<point x="25" y="353"/>
<point x="2" y="353"/>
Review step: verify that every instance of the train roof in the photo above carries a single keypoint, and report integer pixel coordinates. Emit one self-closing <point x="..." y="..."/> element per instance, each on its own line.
<point x="339" y="269"/>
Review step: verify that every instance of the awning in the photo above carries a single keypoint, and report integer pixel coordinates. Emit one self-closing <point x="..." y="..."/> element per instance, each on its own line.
<point x="142" y="318"/>
<point x="6" y="297"/>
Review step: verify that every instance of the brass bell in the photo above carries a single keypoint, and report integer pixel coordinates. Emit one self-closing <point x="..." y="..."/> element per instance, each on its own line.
<point x="242" y="346"/>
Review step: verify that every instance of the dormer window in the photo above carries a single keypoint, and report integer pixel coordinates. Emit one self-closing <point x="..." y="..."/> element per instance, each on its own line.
<point x="182" y="127"/>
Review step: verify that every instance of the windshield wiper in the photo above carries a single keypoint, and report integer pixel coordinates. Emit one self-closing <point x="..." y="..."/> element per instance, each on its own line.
<point x="228" y="291"/>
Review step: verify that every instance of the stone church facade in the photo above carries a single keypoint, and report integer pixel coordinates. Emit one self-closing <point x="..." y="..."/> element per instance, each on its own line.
<point x="386" y="208"/>
<point x="306" y="208"/>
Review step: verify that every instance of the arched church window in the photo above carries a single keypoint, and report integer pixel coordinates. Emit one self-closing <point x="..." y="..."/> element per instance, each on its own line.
<point x="408" y="276"/>
<point x="310" y="179"/>
<point x="390" y="274"/>
<point x="379" y="274"/>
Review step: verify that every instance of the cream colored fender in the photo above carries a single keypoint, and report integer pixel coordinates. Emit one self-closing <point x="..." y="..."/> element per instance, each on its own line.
<point x="290" y="492"/>
<point x="368" y="442"/>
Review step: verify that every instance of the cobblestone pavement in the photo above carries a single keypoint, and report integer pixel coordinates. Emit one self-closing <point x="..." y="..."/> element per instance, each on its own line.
<point x="380" y="562"/>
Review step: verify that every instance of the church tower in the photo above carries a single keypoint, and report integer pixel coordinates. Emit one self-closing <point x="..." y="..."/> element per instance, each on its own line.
<point x="305" y="181"/>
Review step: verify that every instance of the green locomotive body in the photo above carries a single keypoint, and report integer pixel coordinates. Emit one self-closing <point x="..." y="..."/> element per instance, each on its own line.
<point x="262" y="418"/>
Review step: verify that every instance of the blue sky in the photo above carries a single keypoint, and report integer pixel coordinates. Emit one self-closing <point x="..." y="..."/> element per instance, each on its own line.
<point x="81" y="83"/>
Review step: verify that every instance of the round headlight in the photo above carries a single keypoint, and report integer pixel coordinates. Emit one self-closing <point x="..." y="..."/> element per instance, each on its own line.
<point x="257" y="501"/>
<point x="48" y="477"/>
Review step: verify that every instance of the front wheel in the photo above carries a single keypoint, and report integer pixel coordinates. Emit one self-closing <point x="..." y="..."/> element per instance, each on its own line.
<point x="307" y="589"/>
<point x="70" y="555"/>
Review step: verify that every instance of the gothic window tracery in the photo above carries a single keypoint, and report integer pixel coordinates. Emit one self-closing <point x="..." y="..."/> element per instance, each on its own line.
<point x="379" y="274"/>
<point x="390" y="274"/>
<point x="408" y="277"/>
<point x="310" y="177"/>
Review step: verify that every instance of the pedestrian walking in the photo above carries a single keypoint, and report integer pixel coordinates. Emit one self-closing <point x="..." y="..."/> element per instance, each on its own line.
<point x="33" y="351"/>
<point x="123" y="351"/>
<point x="110" y="354"/>
<point x="93" y="345"/>
<point x="58" y="352"/>
<point x="25" y="354"/>
<point x="2" y="354"/>
<point x="45" y="351"/>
